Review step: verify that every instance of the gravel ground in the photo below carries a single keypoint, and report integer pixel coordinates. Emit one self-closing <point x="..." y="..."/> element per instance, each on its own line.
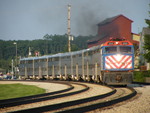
<point x="139" y="104"/>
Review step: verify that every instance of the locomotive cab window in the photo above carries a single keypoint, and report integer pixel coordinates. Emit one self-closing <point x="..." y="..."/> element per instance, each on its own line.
<point x="125" y="49"/>
<point x="110" y="49"/>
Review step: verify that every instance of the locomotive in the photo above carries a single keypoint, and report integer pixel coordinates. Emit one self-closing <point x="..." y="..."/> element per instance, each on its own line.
<point x="111" y="63"/>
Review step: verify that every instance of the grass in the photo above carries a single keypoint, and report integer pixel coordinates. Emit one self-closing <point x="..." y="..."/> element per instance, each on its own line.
<point x="8" y="91"/>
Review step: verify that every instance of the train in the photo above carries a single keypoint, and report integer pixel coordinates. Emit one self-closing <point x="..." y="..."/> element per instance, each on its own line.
<point x="109" y="63"/>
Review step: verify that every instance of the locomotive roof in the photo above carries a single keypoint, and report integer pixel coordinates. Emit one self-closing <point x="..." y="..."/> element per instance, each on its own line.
<point x="60" y="54"/>
<point x="114" y="43"/>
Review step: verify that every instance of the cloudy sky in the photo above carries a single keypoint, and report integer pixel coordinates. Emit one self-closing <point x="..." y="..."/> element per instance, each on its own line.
<point x="32" y="19"/>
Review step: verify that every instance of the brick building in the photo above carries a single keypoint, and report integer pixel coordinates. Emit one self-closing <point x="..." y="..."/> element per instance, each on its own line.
<point x="117" y="27"/>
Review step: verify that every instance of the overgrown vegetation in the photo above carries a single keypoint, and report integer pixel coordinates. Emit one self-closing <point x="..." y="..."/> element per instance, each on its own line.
<point x="139" y="76"/>
<point x="18" y="90"/>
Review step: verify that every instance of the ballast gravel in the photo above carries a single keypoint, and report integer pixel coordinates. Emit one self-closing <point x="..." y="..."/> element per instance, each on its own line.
<point x="93" y="91"/>
<point x="138" y="104"/>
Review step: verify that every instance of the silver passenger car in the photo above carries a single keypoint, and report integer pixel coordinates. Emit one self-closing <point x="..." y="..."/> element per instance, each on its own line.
<point x="79" y="65"/>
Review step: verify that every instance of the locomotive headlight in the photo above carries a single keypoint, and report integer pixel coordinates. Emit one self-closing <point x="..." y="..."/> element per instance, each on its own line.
<point x="118" y="57"/>
<point x="117" y="42"/>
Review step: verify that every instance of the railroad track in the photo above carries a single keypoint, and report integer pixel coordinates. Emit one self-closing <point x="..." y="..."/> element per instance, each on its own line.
<point x="116" y="96"/>
<point x="74" y="88"/>
<point x="34" y="98"/>
<point x="79" y="97"/>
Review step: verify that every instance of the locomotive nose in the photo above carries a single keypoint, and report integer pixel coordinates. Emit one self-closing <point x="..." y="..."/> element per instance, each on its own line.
<point x="118" y="78"/>
<point x="118" y="57"/>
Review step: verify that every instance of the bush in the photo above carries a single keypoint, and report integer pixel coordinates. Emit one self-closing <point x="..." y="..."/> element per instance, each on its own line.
<point x="147" y="73"/>
<point x="139" y="76"/>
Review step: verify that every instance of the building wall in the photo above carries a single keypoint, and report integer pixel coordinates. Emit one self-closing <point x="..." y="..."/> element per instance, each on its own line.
<point x="136" y="37"/>
<point x="136" y="40"/>
<point x="109" y="30"/>
<point x="124" y="25"/>
<point x="119" y="28"/>
<point x="142" y="51"/>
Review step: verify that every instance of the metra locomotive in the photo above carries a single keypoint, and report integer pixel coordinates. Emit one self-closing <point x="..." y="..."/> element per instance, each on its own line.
<point x="110" y="63"/>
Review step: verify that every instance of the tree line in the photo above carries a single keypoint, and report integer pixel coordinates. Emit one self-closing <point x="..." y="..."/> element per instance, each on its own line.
<point x="49" y="44"/>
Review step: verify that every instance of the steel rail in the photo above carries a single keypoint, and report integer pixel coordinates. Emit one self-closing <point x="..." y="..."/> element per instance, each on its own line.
<point x="95" y="102"/>
<point x="66" y="104"/>
<point x="101" y="104"/>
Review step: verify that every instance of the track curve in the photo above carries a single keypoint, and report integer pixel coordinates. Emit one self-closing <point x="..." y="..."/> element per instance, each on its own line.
<point x="75" y="88"/>
<point x="85" y="98"/>
<point x="69" y="87"/>
<point x="120" y="95"/>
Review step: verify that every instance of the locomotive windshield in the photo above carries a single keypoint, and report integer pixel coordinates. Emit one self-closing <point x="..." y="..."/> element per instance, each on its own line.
<point x="125" y="49"/>
<point x="111" y="49"/>
<point x="118" y="49"/>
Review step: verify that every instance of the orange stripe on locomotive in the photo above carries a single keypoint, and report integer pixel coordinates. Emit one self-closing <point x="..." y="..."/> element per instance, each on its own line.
<point x="117" y="41"/>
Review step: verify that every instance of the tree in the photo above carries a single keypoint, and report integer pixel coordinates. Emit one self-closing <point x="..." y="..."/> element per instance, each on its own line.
<point x="50" y="44"/>
<point x="147" y="42"/>
<point x="148" y="22"/>
<point x="147" y="47"/>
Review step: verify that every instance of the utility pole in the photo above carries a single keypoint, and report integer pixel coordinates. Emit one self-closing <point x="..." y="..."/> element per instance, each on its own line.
<point x="12" y="66"/>
<point x="69" y="29"/>
<point x="16" y="64"/>
<point x="15" y="43"/>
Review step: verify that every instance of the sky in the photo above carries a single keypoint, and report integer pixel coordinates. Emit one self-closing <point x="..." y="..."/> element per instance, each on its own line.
<point x="32" y="19"/>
